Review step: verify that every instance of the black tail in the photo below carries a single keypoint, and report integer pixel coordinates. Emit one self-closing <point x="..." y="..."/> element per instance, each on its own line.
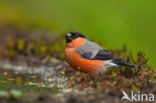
<point x="123" y="63"/>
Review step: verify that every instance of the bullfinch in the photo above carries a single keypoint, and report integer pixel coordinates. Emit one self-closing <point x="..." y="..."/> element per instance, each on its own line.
<point x="86" y="56"/>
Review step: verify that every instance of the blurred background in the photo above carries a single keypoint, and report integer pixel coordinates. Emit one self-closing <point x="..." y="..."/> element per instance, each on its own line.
<point x="112" y="22"/>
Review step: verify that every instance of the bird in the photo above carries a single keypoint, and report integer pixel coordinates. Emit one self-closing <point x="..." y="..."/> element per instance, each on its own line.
<point x="89" y="57"/>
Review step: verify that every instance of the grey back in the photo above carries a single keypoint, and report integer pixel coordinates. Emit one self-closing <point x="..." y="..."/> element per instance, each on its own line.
<point x="89" y="47"/>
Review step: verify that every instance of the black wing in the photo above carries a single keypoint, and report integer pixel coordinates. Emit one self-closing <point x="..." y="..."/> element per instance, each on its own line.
<point x="101" y="55"/>
<point x="104" y="55"/>
<point x="87" y="55"/>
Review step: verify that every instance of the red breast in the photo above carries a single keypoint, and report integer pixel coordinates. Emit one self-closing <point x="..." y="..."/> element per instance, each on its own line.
<point x="79" y="63"/>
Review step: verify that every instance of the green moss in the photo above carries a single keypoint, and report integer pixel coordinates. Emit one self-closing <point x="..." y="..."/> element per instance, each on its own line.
<point x="36" y="51"/>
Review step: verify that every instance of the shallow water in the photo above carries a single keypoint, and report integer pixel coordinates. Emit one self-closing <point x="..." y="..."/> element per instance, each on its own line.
<point x="39" y="77"/>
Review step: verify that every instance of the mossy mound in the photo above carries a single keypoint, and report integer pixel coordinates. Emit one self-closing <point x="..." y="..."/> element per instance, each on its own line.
<point x="41" y="47"/>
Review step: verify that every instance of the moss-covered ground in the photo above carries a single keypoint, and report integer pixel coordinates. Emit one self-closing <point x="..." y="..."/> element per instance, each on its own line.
<point x="33" y="70"/>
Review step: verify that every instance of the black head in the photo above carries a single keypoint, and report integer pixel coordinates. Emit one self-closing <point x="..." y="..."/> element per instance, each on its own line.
<point x="73" y="35"/>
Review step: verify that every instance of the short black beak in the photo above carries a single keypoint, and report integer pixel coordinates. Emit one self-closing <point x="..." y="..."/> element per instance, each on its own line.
<point x="68" y="39"/>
